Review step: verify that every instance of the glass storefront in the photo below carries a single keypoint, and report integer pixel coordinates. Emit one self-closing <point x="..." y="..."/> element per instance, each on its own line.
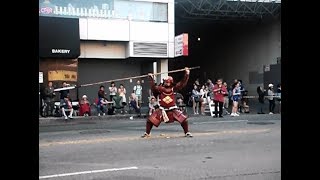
<point x="113" y="9"/>
<point x="58" y="71"/>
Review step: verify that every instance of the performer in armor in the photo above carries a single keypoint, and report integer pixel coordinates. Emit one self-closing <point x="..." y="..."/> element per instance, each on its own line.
<point x="168" y="111"/>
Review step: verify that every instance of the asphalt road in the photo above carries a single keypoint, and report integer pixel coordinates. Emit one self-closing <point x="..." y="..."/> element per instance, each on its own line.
<point x="242" y="148"/>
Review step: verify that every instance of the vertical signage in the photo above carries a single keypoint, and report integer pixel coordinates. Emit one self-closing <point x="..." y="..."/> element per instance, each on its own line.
<point x="181" y="45"/>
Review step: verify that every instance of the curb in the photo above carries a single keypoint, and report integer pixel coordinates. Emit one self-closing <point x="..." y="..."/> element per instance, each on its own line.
<point x="47" y="120"/>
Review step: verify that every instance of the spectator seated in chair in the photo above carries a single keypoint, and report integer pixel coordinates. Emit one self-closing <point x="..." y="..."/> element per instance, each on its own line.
<point x="67" y="105"/>
<point x="102" y="104"/>
<point x="118" y="102"/>
<point x="153" y="105"/>
<point x="84" y="106"/>
<point x="133" y="101"/>
<point x="244" y="103"/>
<point x="179" y="102"/>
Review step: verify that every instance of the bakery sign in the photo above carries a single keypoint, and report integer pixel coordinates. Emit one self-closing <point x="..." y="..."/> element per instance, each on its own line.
<point x="181" y="45"/>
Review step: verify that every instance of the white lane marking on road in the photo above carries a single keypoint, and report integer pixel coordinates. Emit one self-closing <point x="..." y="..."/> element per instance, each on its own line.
<point x="212" y="122"/>
<point x="87" y="172"/>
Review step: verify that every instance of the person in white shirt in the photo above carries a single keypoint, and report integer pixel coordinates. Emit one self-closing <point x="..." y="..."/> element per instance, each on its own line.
<point x="122" y="92"/>
<point x="195" y="99"/>
<point x="272" y="103"/>
<point x="137" y="89"/>
<point x="203" y="98"/>
<point x="112" y="90"/>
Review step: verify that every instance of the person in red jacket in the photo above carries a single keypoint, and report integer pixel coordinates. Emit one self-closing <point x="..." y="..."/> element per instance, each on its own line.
<point x="219" y="91"/>
<point x="84" y="109"/>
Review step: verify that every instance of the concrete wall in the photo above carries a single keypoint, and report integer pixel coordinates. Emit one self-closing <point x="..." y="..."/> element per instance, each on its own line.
<point x="125" y="30"/>
<point x="233" y="51"/>
<point x="103" y="49"/>
<point x="96" y="70"/>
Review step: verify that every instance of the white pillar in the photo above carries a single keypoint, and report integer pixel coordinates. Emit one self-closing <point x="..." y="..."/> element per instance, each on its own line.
<point x="155" y="69"/>
<point x="162" y="66"/>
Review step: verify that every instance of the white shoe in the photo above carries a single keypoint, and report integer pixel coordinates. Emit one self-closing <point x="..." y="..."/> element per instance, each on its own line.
<point x="232" y="114"/>
<point x="145" y="135"/>
<point x="236" y="115"/>
<point x="65" y="117"/>
<point x="103" y="114"/>
<point x="188" y="134"/>
<point x="98" y="114"/>
<point x="270" y="113"/>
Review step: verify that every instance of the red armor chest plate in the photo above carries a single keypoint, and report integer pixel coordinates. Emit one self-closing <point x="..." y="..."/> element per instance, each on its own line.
<point x="167" y="99"/>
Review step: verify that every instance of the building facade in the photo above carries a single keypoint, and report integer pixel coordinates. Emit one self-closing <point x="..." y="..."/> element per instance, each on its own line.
<point x="98" y="40"/>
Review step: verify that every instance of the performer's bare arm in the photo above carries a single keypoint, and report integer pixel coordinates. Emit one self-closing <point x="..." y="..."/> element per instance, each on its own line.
<point x="184" y="81"/>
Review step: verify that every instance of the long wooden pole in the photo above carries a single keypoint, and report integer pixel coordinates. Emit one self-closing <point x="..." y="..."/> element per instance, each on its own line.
<point x="135" y="77"/>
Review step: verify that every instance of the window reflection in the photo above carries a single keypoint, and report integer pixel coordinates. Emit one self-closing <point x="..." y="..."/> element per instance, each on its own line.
<point x="115" y="9"/>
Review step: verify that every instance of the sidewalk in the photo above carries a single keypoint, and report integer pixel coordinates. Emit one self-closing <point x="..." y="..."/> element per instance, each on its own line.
<point x="43" y="120"/>
<point x="144" y="113"/>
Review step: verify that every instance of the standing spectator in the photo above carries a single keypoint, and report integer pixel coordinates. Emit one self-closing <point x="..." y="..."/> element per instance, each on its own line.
<point x="101" y="93"/>
<point x="112" y="90"/>
<point x="219" y="91"/>
<point x="50" y="95"/>
<point x="235" y="81"/>
<point x="122" y="92"/>
<point x="226" y="98"/>
<point x="241" y="86"/>
<point x="210" y="88"/>
<point x="196" y="82"/>
<point x="261" y="94"/>
<point x="235" y="98"/>
<point x="203" y="98"/>
<point x="279" y="96"/>
<point x="42" y="100"/>
<point x="230" y="89"/>
<point x="137" y="89"/>
<point x="102" y="101"/>
<point x="241" y="102"/>
<point x="84" y="109"/>
<point x="271" y="99"/>
<point x="195" y="99"/>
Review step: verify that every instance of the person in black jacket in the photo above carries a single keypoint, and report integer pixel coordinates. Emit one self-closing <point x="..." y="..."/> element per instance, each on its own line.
<point x="42" y="100"/>
<point x="261" y="94"/>
<point x="64" y="93"/>
<point x="279" y="96"/>
<point x="49" y="99"/>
